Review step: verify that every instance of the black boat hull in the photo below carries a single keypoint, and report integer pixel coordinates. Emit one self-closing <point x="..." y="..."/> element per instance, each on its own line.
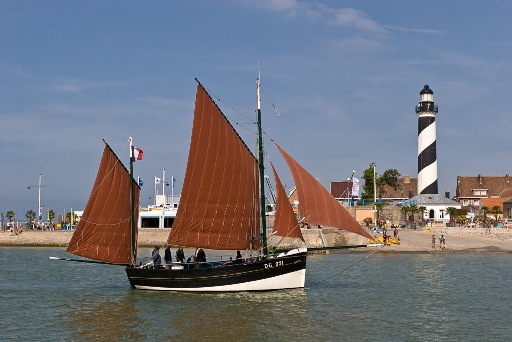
<point x="281" y="272"/>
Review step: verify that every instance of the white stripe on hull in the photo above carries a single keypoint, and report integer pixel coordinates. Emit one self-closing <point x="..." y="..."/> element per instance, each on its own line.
<point x="286" y="281"/>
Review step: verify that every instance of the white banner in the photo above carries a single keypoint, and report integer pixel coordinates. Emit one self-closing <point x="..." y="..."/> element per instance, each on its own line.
<point x="157" y="180"/>
<point x="355" y="187"/>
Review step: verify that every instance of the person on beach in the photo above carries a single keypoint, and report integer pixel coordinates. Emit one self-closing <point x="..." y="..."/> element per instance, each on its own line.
<point x="155" y="257"/>
<point x="442" y="241"/>
<point x="433" y="241"/>
<point x="167" y="255"/>
<point x="180" y="255"/>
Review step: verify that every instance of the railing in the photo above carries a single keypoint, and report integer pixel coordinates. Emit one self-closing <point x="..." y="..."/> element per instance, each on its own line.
<point x="426" y="107"/>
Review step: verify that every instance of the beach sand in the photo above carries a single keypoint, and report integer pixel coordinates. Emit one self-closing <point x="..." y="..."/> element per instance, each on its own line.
<point x="457" y="239"/>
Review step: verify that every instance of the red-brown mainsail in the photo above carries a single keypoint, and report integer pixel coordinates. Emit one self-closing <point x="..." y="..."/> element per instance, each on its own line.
<point x="316" y="204"/>
<point x="103" y="232"/>
<point x="219" y="204"/>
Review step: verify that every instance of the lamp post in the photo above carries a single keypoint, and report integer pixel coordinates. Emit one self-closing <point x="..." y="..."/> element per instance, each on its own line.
<point x="351" y="184"/>
<point x="39" y="186"/>
<point x="374" y="197"/>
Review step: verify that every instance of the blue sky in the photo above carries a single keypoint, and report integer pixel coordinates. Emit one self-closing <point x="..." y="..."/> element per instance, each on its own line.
<point x="344" y="75"/>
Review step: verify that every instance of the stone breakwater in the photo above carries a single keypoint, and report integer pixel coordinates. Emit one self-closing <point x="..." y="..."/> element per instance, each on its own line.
<point x="457" y="239"/>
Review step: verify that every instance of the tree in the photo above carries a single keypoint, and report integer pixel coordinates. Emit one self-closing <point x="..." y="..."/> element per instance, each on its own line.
<point x="421" y="210"/>
<point x="485" y="210"/>
<point x="51" y="216"/>
<point x="30" y="215"/>
<point x="413" y="209"/>
<point x="10" y="214"/>
<point x="496" y="210"/>
<point x="452" y="212"/>
<point x="389" y="177"/>
<point x="405" y="210"/>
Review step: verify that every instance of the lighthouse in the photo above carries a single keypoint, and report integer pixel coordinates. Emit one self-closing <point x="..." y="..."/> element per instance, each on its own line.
<point x="427" y="156"/>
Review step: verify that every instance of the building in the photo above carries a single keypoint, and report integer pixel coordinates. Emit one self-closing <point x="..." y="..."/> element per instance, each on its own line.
<point x="342" y="191"/>
<point x="507" y="209"/>
<point x="436" y="206"/>
<point x="472" y="189"/>
<point x="408" y="188"/>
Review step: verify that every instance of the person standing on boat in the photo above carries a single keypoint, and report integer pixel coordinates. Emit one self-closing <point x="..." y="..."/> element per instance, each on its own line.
<point x="239" y="258"/>
<point x="155" y="257"/>
<point x="167" y="255"/>
<point x="199" y="255"/>
<point x="180" y="255"/>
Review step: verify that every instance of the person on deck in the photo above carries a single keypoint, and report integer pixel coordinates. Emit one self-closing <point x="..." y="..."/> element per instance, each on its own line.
<point x="239" y="258"/>
<point x="167" y="255"/>
<point x="180" y="255"/>
<point x="199" y="256"/>
<point x="155" y="257"/>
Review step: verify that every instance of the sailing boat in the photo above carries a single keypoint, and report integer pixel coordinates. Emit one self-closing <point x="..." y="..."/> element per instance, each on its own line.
<point x="222" y="207"/>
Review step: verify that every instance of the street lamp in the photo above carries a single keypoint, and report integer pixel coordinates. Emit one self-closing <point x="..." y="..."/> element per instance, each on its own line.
<point x="39" y="186"/>
<point x="350" y="191"/>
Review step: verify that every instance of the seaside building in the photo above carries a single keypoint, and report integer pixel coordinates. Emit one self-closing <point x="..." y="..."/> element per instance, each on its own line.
<point x="472" y="191"/>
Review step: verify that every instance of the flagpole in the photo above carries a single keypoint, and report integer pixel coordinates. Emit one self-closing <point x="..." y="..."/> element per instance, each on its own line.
<point x="132" y="204"/>
<point x="154" y="200"/>
<point x="172" y="191"/>
<point x="162" y="223"/>
<point x="163" y="184"/>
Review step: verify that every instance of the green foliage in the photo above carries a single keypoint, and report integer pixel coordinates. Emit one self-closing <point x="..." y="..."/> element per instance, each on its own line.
<point x="389" y="177"/>
<point x="51" y="215"/>
<point x="10" y="214"/>
<point x="30" y="215"/>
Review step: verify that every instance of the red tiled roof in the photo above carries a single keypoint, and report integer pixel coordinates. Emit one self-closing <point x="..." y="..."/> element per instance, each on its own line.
<point x="496" y="186"/>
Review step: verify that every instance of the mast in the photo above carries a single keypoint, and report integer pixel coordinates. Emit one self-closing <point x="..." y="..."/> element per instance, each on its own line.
<point x="262" y="170"/>
<point x="132" y="205"/>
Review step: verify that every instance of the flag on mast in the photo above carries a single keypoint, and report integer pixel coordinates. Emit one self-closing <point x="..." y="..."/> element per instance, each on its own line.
<point x="136" y="153"/>
<point x="157" y="180"/>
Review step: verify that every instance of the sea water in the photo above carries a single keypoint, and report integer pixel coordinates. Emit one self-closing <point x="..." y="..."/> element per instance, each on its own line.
<point x="348" y="297"/>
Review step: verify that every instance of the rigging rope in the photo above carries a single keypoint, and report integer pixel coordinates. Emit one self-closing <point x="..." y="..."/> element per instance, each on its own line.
<point x="346" y="269"/>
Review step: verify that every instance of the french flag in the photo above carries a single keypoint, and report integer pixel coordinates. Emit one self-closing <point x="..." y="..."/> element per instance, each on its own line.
<point x="136" y="153"/>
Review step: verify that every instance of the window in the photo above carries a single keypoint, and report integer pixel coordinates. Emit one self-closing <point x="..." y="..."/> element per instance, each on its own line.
<point x="465" y="202"/>
<point x="479" y="192"/>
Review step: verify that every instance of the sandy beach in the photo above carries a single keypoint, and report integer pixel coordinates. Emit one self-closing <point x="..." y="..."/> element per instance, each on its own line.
<point x="419" y="241"/>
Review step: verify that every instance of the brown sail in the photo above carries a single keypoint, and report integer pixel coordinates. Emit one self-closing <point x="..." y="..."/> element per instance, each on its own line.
<point x="316" y="204"/>
<point x="219" y="206"/>
<point x="285" y="222"/>
<point x="103" y="232"/>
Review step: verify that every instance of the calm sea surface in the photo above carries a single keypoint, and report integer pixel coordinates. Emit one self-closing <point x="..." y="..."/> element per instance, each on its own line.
<point x="348" y="297"/>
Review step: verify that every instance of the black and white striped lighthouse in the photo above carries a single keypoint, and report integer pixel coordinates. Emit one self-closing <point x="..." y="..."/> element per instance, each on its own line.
<point x="427" y="157"/>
